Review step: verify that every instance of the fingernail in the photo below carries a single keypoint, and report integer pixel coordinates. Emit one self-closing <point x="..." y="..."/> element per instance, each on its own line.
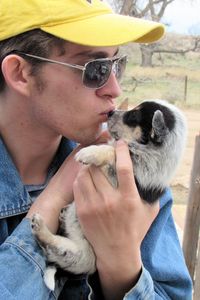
<point x="120" y="142"/>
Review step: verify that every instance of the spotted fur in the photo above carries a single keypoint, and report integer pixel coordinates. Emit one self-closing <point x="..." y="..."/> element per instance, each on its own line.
<point x="155" y="132"/>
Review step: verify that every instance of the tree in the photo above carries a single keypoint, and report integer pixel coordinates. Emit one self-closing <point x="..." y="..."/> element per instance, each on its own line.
<point x="154" y="10"/>
<point x="149" y="9"/>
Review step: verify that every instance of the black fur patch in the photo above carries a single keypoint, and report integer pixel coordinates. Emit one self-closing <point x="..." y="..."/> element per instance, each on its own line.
<point x="150" y="195"/>
<point x="142" y="116"/>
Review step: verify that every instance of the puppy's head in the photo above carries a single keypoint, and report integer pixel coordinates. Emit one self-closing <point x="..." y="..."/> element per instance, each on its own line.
<point x="150" y="121"/>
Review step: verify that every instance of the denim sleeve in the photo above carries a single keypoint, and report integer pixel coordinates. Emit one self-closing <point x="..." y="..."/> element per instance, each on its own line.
<point x="164" y="273"/>
<point x="21" y="267"/>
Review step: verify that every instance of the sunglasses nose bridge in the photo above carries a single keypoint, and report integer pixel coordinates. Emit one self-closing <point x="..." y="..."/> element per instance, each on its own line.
<point x="115" y="67"/>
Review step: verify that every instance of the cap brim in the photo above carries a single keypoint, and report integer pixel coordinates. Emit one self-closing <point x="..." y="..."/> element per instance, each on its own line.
<point x="108" y="30"/>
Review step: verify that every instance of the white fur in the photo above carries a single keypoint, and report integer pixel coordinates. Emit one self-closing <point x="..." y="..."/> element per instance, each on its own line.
<point x="49" y="277"/>
<point x="72" y="252"/>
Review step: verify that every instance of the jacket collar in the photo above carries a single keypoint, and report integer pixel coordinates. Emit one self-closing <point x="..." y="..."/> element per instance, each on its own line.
<point x="14" y="198"/>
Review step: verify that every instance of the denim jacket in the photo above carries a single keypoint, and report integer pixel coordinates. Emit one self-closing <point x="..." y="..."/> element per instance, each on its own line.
<point x="164" y="274"/>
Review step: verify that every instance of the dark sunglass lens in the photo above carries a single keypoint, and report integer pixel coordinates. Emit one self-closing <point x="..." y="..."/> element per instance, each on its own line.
<point x="97" y="73"/>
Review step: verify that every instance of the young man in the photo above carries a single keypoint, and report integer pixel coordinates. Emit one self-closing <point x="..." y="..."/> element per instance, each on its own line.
<point x="60" y="66"/>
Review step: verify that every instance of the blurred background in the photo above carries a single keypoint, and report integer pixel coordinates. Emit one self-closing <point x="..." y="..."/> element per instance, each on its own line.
<point x="168" y="69"/>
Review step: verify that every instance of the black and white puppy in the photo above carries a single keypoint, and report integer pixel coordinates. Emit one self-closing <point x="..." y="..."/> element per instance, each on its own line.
<point x="155" y="132"/>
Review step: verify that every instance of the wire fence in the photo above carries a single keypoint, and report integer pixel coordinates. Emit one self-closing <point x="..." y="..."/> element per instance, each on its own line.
<point x="175" y="89"/>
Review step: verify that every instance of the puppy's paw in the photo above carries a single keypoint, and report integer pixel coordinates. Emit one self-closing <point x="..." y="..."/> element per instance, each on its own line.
<point x="97" y="155"/>
<point x="37" y="223"/>
<point x="89" y="155"/>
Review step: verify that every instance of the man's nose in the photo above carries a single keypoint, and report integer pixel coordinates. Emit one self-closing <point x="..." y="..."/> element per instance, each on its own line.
<point x="111" y="89"/>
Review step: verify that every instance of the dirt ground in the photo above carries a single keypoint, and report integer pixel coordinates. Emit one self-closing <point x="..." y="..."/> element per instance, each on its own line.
<point x="181" y="181"/>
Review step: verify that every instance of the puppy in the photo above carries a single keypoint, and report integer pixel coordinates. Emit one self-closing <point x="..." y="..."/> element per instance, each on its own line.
<point x="155" y="132"/>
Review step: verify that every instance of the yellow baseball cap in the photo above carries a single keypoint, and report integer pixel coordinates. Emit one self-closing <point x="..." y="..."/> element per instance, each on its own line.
<point x="85" y="22"/>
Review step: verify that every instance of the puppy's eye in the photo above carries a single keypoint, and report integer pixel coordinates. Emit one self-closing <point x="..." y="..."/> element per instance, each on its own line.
<point x="132" y="118"/>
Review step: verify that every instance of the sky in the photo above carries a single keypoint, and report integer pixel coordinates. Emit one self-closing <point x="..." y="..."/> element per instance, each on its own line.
<point x="183" y="16"/>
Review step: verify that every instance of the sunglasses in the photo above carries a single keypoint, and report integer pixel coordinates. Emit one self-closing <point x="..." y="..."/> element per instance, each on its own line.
<point x="95" y="72"/>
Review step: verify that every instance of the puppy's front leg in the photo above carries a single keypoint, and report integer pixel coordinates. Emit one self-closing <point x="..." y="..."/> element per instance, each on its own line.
<point x="98" y="155"/>
<point x="102" y="156"/>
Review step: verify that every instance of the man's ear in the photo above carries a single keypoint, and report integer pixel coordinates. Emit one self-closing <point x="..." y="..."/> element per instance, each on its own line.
<point x="16" y="73"/>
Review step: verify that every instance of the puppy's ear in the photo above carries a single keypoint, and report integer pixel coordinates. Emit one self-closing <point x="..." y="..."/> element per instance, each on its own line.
<point x="123" y="105"/>
<point x="159" y="128"/>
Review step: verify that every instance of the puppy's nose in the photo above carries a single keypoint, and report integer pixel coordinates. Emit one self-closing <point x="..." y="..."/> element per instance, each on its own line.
<point x="110" y="113"/>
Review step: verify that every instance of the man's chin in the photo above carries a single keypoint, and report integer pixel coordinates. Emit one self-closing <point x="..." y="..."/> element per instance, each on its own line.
<point x="93" y="138"/>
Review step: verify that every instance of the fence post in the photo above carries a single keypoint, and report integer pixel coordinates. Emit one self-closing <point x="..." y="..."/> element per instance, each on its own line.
<point x="192" y="222"/>
<point x="185" y="88"/>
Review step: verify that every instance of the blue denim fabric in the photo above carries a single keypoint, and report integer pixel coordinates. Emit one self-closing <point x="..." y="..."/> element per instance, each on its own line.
<point x="22" y="263"/>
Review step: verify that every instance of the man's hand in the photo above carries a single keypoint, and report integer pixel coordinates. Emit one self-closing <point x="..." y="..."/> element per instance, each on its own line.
<point x="115" y="221"/>
<point x="57" y="194"/>
<point x="59" y="191"/>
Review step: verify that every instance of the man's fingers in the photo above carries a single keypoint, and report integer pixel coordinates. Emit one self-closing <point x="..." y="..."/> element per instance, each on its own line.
<point x="124" y="166"/>
<point x="83" y="186"/>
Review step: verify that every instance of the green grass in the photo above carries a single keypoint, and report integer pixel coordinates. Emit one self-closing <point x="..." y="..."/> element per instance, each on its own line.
<point x="165" y="80"/>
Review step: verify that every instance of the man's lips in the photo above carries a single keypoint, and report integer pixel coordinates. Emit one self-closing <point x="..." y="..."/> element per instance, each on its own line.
<point x="104" y="115"/>
<point x="108" y="111"/>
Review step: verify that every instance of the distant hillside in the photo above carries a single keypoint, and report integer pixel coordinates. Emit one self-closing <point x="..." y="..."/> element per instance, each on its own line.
<point x="179" y="42"/>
